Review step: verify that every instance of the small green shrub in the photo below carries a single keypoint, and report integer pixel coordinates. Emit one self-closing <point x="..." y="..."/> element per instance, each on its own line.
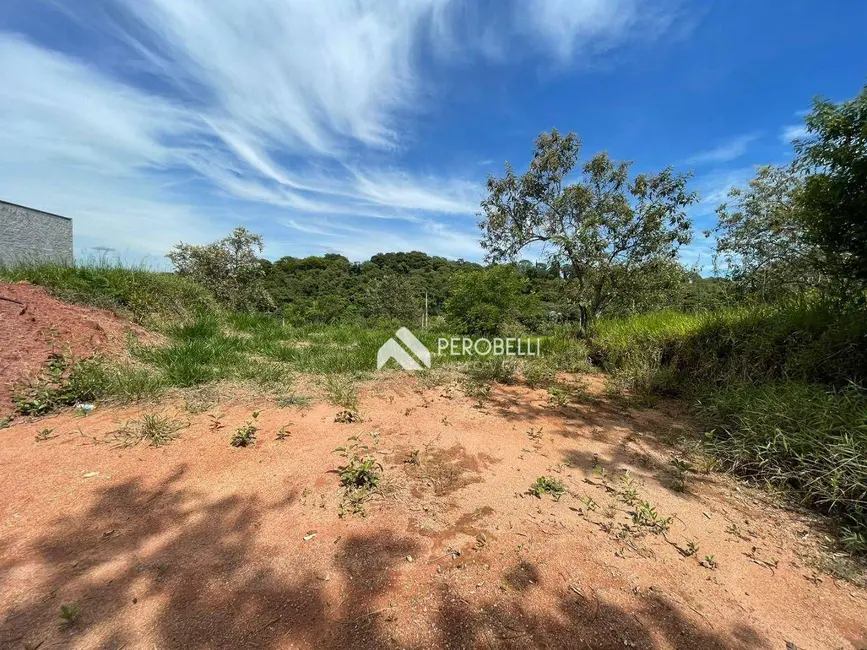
<point x="361" y="473"/>
<point x="547" y="485"/>
<point x="282" y="433"/>
<point x="69" y="613"/>
<point x="156" y="429"/>
<point x="65" y="382"/>
<point x="45" y="434"/>
<point x="681" y="468"/>
<point x="645" y="515"/>
<point x="245" y="436"/>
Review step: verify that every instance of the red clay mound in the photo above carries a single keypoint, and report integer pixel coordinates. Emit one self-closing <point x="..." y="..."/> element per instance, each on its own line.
<point x="37" y="326"/>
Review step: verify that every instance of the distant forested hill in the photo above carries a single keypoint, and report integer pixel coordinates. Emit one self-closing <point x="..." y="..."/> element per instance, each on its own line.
<point x="330" y="288"/>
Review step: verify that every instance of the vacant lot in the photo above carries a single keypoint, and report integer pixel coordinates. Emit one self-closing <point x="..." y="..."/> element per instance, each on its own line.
<point x="198" y="543"/>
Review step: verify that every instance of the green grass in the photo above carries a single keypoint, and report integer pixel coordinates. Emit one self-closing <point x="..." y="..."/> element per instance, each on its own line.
<point x="156" y="429"/>
<point x="264" y="348"/>
<point x="137" y="292"/>
<point x="780" y="388"/>
<point x="65" y="382"/>
<point x="809" y="439"/>
<point x="672" y="351"/>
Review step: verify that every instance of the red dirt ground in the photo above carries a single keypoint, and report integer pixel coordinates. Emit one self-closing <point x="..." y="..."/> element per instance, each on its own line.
<point x="42" y="326"/>
<point x="201" y="545"/>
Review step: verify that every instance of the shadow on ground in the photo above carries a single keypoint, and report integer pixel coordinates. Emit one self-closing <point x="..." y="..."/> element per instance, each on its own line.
<point x="209" y="581"/>
<point x="626" y="433"/>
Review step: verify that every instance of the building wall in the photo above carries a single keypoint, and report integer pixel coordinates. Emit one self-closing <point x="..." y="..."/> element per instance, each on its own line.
<point x="28" y="235"/>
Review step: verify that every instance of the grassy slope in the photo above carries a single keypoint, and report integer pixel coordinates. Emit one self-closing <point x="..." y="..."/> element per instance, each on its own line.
<point x="781" y="390"/>
<point x="145" y="296"/>
<point x="264" y="348"/>
<point x="206" y="344"/>
<point x="268" y="352"/>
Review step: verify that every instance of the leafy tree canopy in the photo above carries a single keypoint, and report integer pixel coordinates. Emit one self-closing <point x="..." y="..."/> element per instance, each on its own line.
<point x="607" y="227"/>
<point x="760" y="238"/>
<point x="833" y="158"/>
<point x="484" y="301"/>
<point x="230" y="267"/>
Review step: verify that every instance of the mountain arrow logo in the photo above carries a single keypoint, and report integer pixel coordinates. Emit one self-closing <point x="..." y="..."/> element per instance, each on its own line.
<point x="391" y="349"/>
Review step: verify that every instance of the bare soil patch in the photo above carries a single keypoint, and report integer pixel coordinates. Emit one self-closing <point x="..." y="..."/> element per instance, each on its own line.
<point x="36" y="326"/>
<point x="197" y="544"/>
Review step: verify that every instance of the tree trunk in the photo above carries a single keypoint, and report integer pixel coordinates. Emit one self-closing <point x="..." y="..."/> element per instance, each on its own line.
<point x="584" y="317"/>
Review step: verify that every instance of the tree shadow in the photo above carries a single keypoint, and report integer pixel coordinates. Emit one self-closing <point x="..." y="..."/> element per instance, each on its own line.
<point x="623" y="431"/>
<point x="580" y="620"/>
<point x="210" y="580"/>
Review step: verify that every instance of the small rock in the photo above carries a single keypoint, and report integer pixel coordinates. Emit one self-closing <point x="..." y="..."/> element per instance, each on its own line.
<point x="91" y="475"/>
<point x="409" y="558"/>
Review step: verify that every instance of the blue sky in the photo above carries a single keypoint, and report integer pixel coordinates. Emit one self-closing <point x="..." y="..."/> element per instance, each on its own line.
<point x="361" y="127"/>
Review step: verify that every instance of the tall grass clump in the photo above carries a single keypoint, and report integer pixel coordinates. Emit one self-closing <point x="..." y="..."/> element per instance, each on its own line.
<point x="780" y="388"/>
<point x="674" y="351"/>
<point x="804" y="437"/>
<point x="565" y="351"/>
<point x="144" y="295"/>
<point x="199" y="351"/>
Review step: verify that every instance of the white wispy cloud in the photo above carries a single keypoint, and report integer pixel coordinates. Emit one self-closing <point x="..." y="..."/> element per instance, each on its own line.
<point x="727" y="151"/>
<point x="713" y="187"/>
<point x="286" y="114"/>
<point x="77" y="143"/>
<point x="570" y="27"/>
<point x="309" y="73"/>
<point x="793" y="132"/>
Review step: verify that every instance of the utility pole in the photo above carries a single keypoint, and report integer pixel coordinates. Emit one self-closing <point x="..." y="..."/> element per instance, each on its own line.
<point x="425" y="311"/>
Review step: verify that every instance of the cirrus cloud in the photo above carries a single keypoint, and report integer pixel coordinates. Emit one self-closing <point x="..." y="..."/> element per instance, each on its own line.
<point x="287" y="115"/>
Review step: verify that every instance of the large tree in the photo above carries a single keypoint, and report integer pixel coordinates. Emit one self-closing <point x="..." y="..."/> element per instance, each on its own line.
<point x="760" y="237"/>
<point x="609" y="228"/>
<point x="833" y="156"/>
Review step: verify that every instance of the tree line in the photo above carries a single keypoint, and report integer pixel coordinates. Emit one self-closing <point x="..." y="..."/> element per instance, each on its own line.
<point x="609" y="239"/>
